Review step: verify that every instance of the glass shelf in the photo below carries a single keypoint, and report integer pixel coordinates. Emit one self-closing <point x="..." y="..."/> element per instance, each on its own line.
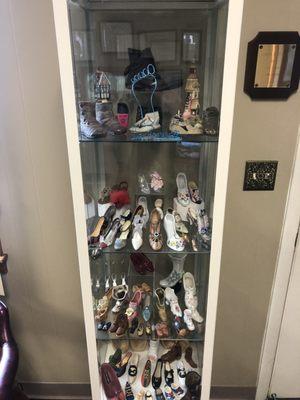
<point x="132" y="138"/>
<point x="191" y="336"/>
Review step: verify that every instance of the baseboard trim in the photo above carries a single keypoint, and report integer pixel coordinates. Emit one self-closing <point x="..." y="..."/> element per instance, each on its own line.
<point x="233" y="392"/>
<point x="82" y="391"/>
<point x="57" y="391"/>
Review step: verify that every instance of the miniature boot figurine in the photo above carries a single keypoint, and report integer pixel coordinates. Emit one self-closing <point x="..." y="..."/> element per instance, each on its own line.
<point x="176" y="274"/>
<point x="106" y="118"/>
<point x="88" y="124"/>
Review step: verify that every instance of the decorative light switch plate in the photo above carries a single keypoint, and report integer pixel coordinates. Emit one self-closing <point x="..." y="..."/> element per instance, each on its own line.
<point x="260" y="175"/>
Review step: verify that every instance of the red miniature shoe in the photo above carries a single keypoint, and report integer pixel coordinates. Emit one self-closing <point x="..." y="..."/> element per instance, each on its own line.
<point x="111" y="384"/>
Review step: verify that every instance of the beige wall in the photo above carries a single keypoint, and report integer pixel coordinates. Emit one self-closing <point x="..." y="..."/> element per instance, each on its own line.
<point x="36" y="217"/>
<point x="262" y="130"/>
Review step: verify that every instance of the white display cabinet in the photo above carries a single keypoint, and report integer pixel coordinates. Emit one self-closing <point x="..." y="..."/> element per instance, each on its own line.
<point x="148" y="90"/>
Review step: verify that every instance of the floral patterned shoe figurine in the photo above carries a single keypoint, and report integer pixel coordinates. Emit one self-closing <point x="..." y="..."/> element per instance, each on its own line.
<point x="194" y="192"/>
<point x="172" y="301"/>
<point x="157" y="182"/>
<point x="173" y="239"/>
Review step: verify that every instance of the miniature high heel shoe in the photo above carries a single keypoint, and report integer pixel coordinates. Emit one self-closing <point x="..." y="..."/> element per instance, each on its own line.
<point x="182" y="189"/>
<point x="138" y="223"/>
<point x="109" y="237"/>
<point x="160" y="304"/>
<point x="172" y="301"/>
<point x="131" y="311"/>
<point x="174" y="241"/>
<point x="155" y="237"/>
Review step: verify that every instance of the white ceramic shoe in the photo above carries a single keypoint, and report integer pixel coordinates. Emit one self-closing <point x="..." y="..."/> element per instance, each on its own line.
<point x="149" y="123"/>
<point x="182" y="189"/>
<point x="187" y="317"/>
<point x="172" y="301"/>
<point x="137" y="236"/>
<point x="153" y="349"/>
<point x="190" y="296"/>
<point x="173" y="239"/>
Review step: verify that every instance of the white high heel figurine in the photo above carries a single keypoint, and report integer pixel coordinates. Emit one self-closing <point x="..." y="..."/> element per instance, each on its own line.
<point x="173" y="239"/>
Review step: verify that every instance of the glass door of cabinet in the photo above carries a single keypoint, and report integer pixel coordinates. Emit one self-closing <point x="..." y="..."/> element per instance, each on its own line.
<point x="148" y="90"/>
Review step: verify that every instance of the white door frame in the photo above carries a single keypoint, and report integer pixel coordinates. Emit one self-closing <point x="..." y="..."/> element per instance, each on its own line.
<point x="281" y="279"/>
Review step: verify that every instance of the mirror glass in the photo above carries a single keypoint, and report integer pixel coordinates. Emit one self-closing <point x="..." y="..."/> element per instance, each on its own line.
<point x="274" y="65"/>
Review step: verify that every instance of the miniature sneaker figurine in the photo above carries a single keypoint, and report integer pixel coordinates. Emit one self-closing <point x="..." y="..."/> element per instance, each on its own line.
<point x="172" y="301"/>
<point x="149" y="123"/>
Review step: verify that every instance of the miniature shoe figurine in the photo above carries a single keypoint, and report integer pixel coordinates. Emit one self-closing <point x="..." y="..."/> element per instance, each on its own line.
<point x="157" y="182"/>
<point x="119" y="293"/>
<point x="146" y="313"/>
<point x="155" y="237"/>
<point x="88" y="123"/>
<point x="194" y="192"/>
<point x="146" y="375"/>
<point x="181" y="372"/>
<point x="144" y="186"/>
<point x="102" y="307"/>
<point x="141" y="263"/>
<point x="110" y="383"/>
<point x="106" y="118"/>
<point x="120" y="368"/>
<point x="187" y="317"/>
<point x="149" y="123"/>
<point x="169" y="393"/>
<point x="110" y="234"/>
<point x="173" y="354"/>
<point x="148" y="395"/>
<point x="133" y="368"/>
<point x="158" y="205"/>
<point x="172" y="301"/>
<point x="182" y="189"/>
<point x="173" y="239"/>
<point x="138" y="223"/>
<point x="177" y="389"/>
<point x="115" y="358"/>
<point x="177" y="272"/>
<point x="159" y="394"/>
<point x="179" y="327"/>
<point x="179" y="224"/>
<point x="128" y="392"/>
<point x="190" y="297"/>
<point x="193" y="384"/>
<point x="131" y="311"/>
<point x="162" y="330"/>
<point x="169" y="374"/>
<point x="160" y="304"/>
<point x="142" y="201"/>
<point x="190" y="126"/>
<point x="157" y="374"/>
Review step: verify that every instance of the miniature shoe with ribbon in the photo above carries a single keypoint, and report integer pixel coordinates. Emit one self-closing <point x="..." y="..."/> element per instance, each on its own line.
<point x="131" y="311"/>
<point x="172" y="301"/>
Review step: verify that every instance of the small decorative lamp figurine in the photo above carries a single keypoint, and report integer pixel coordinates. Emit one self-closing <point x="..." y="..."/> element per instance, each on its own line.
<point x="192" y="90"/>
<point x="102" y="86"/>
<point x="3" y="261"/>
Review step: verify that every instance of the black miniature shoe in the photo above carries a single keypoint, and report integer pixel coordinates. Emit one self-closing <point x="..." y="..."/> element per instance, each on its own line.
<point x="156" y="377"/>
<point x="169" y="374"/>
